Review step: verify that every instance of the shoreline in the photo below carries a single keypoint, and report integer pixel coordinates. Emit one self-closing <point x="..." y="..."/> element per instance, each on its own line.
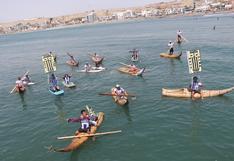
<point x="209" y="14"/>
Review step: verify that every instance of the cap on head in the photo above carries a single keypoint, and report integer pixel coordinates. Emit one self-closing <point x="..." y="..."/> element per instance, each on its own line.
<point x="117" y="86"/>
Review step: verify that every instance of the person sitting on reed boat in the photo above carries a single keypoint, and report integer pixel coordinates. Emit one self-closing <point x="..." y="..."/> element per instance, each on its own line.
<point x="87" y="67"/>
<point x="54" y="83"/>
<point x="171" y="47"/>
<point x="195" y="87"/>
<point x="119" y="91"/>
<point x="67" y="78"/>
<point x="86" y="122"/>
<point x="19" y="84"/>
<point x="26" y="79"/>
<point x="133" y="69"/>
<point x="179" y="36"/>
<point x="72" y="58"/>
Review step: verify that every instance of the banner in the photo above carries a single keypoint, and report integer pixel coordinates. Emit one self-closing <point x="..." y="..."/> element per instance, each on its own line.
<point x="49" y="63"/>
<point x="194" y="61"/>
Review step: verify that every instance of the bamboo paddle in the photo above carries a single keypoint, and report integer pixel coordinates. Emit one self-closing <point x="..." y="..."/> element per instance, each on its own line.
<point x="110" y="94"/>
<point x="21" y="79"/>
<point x="89" y="135"/>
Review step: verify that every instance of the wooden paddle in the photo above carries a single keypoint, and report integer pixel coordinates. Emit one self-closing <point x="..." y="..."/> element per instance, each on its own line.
<point x="88" y="135"/>
<point x="21" y="79"/>
<point x="110" y="94"/>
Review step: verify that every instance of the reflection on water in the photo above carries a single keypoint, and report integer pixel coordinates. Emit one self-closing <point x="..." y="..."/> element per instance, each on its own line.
<point x="59" y="107"/>
<point x="74" y="155"/>
<point x="23" y="102"/>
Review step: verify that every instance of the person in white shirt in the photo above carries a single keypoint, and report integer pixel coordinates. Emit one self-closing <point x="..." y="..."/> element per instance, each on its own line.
<point x="171" y="47"/>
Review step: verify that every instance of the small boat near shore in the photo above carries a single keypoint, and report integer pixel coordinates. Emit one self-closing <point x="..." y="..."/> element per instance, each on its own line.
<point x="119" y="100"/>
<point x="77" y="142"/>
<point x="185" y="93"/>
<point x="173" y="56"/>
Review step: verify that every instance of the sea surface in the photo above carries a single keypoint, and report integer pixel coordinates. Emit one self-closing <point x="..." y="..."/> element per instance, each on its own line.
<point x="154" y="128"/>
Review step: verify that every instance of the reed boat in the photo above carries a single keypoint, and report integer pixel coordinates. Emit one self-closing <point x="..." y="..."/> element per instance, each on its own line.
<point x="126" y="70"/>
<point x="97" y="59"/>
<point x="173" y="56"/>
<point x="77" y="142"/>
<point x="185" y="93"/>
<point x="119" y="100"/>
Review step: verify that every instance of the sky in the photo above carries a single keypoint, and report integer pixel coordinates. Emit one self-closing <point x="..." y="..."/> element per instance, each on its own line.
<point x="11" y="10"/>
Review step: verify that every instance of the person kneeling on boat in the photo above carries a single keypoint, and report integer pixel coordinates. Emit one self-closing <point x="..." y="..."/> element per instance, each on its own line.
<point x="67" y="78"/>
<point x="86" y="122"/>
<point x="119" y="91"/>
<point x="87" y="67"/>
<point x="195" y="87"/>
<point x="19" y="85"/>
<point x="54" y="83"/>
<point x="171" y="47"/>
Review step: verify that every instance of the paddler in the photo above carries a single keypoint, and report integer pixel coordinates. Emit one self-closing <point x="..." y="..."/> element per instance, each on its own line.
<point x="195" y="87"/>
<point x="26" y="79"/>
<point x="73" y="61"/>
<point x="19" y="85"/>
<point x="119" y="91"/>
<point x="179" y="36"/>
<point x="54" y="83"/>
<point x="134" y="54"/>
<point x="67" y="78"/>
<point x="86" y="122"/>
<point x="87" y="67"/>
<point x="133" y="69"/>
<point x="97" y="64"/>
<point x="171" y="47"/>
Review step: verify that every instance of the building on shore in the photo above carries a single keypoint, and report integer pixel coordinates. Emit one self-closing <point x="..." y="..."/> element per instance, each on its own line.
<point x="91" y="17"/>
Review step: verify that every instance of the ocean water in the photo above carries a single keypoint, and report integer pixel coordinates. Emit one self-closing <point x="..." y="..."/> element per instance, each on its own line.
<point x="155" y="128"/>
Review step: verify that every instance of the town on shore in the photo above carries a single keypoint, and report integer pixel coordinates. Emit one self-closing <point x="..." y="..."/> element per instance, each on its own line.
<point x="156" y="10"/>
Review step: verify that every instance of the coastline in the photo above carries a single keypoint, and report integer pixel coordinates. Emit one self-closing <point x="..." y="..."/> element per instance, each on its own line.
<point x="209" y="14"/>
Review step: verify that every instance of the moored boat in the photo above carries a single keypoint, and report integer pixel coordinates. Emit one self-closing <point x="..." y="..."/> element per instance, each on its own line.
<point x="123" y="100"/>
<point x="185" y="93"/>
<point x="174" y="56"/>
<point x="77" y="142"/>
<point x="127" y="70"/>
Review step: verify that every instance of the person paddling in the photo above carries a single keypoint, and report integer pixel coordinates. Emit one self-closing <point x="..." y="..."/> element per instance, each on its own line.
<point x="26" y="79"/>
<point x="179" y="36"/>
<point x="133" y="69"/>
<point x="195" y="87"/>
<point x="87" y="67"/>
<point x="119" y="91"/>
<point x="19" y="85"/>
<point x="54" y="83"/>
<point x="86" y="122"/>
<point x="67" y="78"/>
<point x="72" y="59"/>
<point x="171" y="47"/>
